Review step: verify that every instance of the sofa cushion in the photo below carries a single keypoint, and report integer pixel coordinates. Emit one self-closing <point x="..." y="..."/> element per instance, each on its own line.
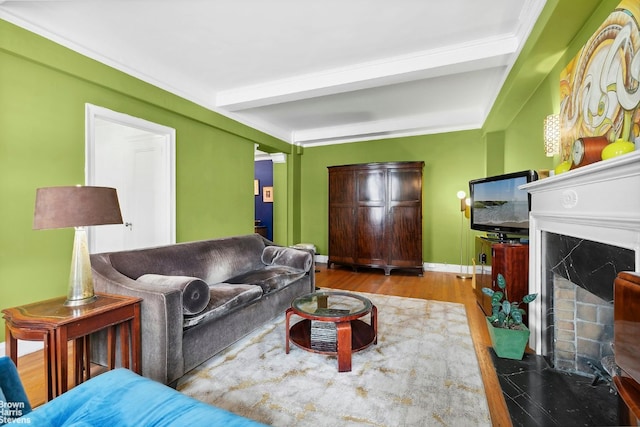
<point x="195" y="292"/>
<point x="224" y="297"/>
<point x="269" y="278"/>
<point x="279" y="255"/>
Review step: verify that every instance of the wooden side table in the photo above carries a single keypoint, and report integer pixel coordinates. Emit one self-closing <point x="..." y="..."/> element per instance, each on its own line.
<point x="55" y="324"/>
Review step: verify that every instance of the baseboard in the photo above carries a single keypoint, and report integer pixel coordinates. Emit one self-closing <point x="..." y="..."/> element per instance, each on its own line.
<point x="24" y="347"/>
<point x="427" y="266"/>
<point x="442" y="268"/>
<point x="321" y="259"/>
<point x="455" y="268"/>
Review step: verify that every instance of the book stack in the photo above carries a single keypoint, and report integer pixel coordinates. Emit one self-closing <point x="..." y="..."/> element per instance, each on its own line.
<point x="324" y="334"/>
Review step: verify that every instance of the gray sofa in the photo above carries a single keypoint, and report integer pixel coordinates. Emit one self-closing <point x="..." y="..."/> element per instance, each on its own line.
<point x="200" y="297"/>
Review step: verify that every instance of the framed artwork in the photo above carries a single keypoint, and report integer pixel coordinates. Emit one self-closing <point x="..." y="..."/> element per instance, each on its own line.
<point x="599" y="94"/>
<point x="256" y="187"/>
<point x="267" y="194"/>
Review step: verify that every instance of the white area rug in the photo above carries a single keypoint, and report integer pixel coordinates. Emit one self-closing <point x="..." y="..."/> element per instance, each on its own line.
<point x="422" y="372"/>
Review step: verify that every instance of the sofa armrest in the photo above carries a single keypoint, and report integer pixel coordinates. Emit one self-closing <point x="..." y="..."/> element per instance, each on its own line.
<point x="288" y="257"/>
<point x="161" y="319"/>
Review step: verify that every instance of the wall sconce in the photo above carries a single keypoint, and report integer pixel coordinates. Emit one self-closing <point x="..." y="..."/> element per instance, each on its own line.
<point x="552" y="135"/>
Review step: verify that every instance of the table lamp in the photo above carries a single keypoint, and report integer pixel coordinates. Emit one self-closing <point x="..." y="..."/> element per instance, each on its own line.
<point x="78" y="207"/>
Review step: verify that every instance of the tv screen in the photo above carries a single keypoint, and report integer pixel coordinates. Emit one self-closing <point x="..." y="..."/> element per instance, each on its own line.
<point x="499" y="206"/>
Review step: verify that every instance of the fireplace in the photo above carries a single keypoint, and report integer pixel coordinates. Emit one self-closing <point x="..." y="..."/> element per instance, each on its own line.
<point x="580" y="321"/>
<point x="585" y="228"/>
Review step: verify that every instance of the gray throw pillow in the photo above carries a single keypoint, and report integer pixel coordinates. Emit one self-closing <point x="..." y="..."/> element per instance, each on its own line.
<point x="195" y="291"/>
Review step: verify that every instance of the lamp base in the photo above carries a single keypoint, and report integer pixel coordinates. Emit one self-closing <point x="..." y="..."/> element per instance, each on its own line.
<point x="464" y="276"/>
<point x="78" y="302"/>
<point x="80" y="289"/>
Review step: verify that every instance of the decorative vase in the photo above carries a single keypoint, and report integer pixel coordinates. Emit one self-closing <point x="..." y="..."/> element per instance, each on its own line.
<point x="508" y="343"/>
<point x="562" y="167"/>
<point x="617" y="148"/>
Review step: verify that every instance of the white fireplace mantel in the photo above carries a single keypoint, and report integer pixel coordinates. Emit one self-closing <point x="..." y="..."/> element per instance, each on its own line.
<point x="599" y="202"/>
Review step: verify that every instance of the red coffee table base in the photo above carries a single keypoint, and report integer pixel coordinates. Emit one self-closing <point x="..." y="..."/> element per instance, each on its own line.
<point x="352" y="336"/>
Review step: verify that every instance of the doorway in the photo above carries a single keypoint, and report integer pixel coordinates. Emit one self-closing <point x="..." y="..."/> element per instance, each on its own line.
<point x="137" y="158"/>
<point x="264" y="198"/>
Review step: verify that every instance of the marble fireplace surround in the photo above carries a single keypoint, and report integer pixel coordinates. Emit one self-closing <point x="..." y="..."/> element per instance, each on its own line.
<point x="600" y="203"/>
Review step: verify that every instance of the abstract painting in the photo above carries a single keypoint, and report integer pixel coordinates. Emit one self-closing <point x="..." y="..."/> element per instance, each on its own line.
<point x="599" y="88"/>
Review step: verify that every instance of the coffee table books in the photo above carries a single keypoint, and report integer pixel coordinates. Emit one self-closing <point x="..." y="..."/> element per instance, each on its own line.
<point x="324" y="334"/>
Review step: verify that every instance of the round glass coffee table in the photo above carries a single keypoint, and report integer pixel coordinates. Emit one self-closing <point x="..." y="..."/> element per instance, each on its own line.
<point x="331" y="325"/>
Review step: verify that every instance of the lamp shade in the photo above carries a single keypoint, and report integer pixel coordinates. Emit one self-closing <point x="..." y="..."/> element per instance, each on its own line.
<point x="61" y="207"/>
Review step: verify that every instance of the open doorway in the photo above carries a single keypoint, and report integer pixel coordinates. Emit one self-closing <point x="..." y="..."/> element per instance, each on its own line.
<point x="263" y="193"/>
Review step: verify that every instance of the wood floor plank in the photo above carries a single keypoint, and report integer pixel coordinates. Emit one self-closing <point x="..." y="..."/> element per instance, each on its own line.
<point x="433" y="286"/>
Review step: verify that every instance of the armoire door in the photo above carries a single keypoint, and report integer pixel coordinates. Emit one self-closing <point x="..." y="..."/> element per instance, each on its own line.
<point x="342" y="216"/>
<point x="370" y="223"/>
<point x="404" y="235"/>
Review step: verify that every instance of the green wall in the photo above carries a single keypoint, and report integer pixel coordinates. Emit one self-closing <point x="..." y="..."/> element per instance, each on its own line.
<point x="43" y="91"/>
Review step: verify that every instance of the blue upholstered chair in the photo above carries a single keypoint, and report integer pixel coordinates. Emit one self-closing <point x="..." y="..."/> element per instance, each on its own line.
<point x="13" y="400"/>
<point x="118" y="397"/>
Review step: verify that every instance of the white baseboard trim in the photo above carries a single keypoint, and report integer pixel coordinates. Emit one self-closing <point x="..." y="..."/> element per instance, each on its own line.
<point x="321" y="259"/>
<point x="443" y="268"/>
<point x="428" y="266"/>
<point x="455" y="268"/>
<point x="24" y="347"/>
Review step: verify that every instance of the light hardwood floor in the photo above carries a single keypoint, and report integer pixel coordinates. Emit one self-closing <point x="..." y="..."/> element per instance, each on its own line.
<point x="433" y="286"/>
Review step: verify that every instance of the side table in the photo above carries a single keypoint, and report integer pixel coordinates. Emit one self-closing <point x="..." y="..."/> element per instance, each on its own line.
<point x="55" y="324"/>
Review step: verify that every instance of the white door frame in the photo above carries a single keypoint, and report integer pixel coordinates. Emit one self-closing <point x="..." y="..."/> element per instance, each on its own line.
<point x="93" y="112"/>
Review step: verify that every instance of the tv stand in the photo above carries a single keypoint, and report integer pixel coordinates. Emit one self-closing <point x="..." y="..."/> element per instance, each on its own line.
<point x="511" y="259"/>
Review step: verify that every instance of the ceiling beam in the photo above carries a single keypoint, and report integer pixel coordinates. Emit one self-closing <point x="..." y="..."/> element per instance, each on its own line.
<point x="427" y="64"/>
<point x="422" y="124"/>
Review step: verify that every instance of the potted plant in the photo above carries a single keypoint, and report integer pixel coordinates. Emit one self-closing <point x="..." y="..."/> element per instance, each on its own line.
<point x="509" y="336"/>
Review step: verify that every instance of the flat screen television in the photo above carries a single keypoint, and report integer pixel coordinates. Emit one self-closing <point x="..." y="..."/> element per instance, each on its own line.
<point x="499" y="206"/>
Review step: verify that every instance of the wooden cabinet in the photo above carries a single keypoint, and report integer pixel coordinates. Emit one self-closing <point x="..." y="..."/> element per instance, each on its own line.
<point x="509" y="259"/>
<point x="375" y="215"/>
<point x="483" y="273"/>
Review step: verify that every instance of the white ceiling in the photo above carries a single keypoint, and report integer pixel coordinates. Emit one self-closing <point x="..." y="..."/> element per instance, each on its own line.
<point x="307" y="72"/>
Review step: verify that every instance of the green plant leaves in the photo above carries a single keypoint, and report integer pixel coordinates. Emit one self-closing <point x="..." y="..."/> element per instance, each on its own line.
<point x="506" y="307"/>
<point x="502" y="318"/>
<point x="497" y="298"/>
<point x="505" y="313"/>
<point x="488" y="291"/>
<point x="501" y="282"/>
<point x="516" y="315"/>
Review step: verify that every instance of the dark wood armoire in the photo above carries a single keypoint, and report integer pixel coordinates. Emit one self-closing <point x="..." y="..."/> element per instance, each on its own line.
<point x="375" y="215"/>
